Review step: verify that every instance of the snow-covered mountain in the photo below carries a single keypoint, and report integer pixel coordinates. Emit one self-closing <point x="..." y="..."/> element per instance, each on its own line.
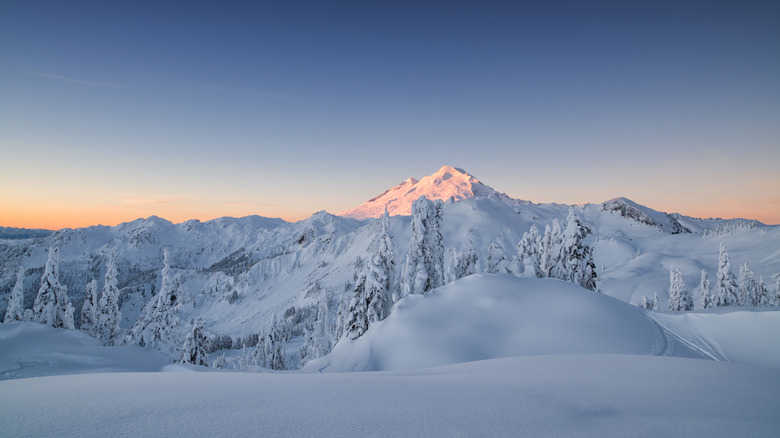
<point x="445" y="184"/>
<point x="236" y="274"/>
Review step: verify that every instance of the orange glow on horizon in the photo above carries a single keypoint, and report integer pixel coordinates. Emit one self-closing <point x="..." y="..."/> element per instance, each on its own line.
<point x="54" y="217"/>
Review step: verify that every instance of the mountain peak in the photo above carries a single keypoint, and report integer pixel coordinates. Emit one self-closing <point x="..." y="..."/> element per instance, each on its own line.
<point x="447" y="182"/>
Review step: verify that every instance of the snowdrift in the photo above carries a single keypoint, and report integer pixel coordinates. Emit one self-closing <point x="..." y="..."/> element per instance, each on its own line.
<point x="492" y="316"/>
<point x="31" y="350"/>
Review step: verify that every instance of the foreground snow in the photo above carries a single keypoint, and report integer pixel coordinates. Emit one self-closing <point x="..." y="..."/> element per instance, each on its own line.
<point x="564" y="395"/>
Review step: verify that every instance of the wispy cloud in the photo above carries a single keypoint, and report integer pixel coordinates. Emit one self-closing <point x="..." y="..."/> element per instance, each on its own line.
<point x="79" y="81"/>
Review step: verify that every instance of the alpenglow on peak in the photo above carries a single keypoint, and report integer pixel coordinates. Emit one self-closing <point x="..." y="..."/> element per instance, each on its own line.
<point x="447" y="182"/>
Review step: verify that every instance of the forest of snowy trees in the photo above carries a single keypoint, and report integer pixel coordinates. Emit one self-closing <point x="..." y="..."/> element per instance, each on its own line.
<point x="381" y="275"/>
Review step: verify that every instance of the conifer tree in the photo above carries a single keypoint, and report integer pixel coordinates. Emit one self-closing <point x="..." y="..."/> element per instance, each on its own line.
<point x="194" y="349"/>
<point x="679" y="297"/>
<point x="15" y="310"/>
<point x="576" y="258"/>
<point x="317" y="341"/>
<point x="424" y="267"/>
<point x="727" y="287"/>
<point x="747" y="286"/>
<point x="496" y="260"/>
<point x="52" y="306"/>
<point x="158" y="318"/>
<point x="89" y="309"/>
<point x="776" y="298"/>
<point x="707" y="300"/>
<point x="762" y="298"/>
<point x="528" y="253"/>
<point x="108" y="314"/>
<point x="655" y="302"/>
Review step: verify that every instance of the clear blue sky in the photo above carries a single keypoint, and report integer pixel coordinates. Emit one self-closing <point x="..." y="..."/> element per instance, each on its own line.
<point x="110" y="110"/>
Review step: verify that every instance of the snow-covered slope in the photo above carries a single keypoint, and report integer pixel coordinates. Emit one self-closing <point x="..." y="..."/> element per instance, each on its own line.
<point x="447" y="182"/>
<point x="564" y="395"/>
<point x="492" y="316"/>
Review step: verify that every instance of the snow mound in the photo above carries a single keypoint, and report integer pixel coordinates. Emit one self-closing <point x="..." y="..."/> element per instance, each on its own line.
<point x="492" y="316"/>
<point x="448" y="182"/>
<point x="34" y="350"/>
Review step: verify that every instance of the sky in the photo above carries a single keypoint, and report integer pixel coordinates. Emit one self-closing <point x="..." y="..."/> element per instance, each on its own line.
<point x="110" y="111"/>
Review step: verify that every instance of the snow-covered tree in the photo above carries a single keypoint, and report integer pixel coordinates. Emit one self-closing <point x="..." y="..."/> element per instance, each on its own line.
<point x="707" y="300"/>
<point x="89" y="309"/>
<point x="645" y="303"/>
<point x="529" y="254"/>
<point x="15" y="310"/>
<point x="679" y="297"/>
<point x="108" y="315"/>
<point x="762" y="297"/>
<point x="372" y="295"/>
<point x="194" y="349"/>
<point x="317" y="341"/>
<point x="497" y="262"/>
<point x="424" y="267"/>
<point x="158" y="317"/>
<point x="551" y="264"/>
<point x="270" y="350"/>
<point x="727" y="287"/>
<point x="747" y="286"/>
<point x="576" y="258"/>
<point x="776" y="299"/>
<point x="459" y="264"/>
<point x="52" y="306"/>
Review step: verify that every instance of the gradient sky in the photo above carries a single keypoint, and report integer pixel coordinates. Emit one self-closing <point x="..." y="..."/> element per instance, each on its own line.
<point x="113" y="110"/>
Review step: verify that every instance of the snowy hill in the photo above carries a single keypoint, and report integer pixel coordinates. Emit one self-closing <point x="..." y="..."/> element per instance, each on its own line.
<point x="447" y="182"/>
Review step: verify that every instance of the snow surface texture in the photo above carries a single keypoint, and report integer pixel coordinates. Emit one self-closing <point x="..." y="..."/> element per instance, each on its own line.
<point x="583" y="395"/>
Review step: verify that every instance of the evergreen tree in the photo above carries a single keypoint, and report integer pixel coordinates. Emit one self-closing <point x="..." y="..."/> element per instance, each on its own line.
<point x="372" y="294"/>
<point x="679" y="297"/>
<point x="645" y="303"/>
<point x="707" y="300"/>
<point x="424" y="267"/>
<point x="460" y="264"/>
<point x="51" y="306"/>
<point x="547" y="253"/>
<point x="776" y="300"/>
<point x="655" y="305"/>
<point x="275" y="354"/>
<point x="747" y="286"/>
<point x="576" y="258"/>
<point x="317" y="341"/>
<point x="158" y="318"/>
<point x="108" y="315"/>
<point x="557" y="266"/>
<point x="496" y="260"/>
<point x="194" y="349"/>
<point x="529" y="253"/>
<point x="762" y="298"/>
<point x="15" y="310"/>
<point x="727" y="287"/>
<point x="89" y="309"/>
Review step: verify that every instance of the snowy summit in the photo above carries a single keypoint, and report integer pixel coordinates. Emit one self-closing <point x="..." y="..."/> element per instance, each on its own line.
<point x="448" y="182"/>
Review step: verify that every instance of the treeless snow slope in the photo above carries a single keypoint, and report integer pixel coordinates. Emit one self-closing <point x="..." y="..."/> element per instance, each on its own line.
<point x="563" y="395"/>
